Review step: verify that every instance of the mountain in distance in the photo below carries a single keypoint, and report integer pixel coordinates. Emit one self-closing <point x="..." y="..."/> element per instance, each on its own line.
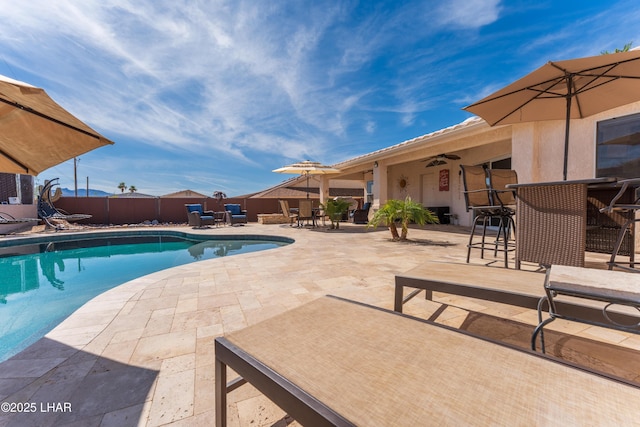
<point x="82" y="192"/>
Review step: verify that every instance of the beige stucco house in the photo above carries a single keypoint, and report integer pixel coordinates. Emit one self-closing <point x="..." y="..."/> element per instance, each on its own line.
<point x="535" y="150"/>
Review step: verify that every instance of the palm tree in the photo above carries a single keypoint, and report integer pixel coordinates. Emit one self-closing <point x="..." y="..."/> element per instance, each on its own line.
<point x="219" y="196"/>
<point x="122" y="186"/>
<point x="625" y="48"/>
<point x="403" y="211"/>
<point x="387" y="214"/>
<point x="132" y="188"/>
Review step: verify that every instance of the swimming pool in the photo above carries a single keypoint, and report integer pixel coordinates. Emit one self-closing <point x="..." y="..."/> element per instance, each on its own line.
<point x="45" y="279"/>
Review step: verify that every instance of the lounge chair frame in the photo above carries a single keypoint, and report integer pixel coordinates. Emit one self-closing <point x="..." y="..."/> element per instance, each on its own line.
<point x="613" y="288"/>
<point x="407" y="377"/>
<point x="513" y="287"/>
<point x="300" y="405"/>
<point x="6" y="218"/>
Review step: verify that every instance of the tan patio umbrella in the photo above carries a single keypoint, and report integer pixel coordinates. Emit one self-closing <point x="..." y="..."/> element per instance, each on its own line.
<point x="571" y="89"/>
<point x="36" y="133"/>
<point x="307" y="168"/>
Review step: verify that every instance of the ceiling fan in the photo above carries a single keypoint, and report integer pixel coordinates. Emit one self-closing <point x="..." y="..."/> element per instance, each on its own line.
<point x="440" y="159"/>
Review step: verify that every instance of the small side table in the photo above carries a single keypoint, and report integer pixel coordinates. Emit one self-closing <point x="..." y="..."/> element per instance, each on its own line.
<point x="219" y="218"/>
<point x="612" y="288"/>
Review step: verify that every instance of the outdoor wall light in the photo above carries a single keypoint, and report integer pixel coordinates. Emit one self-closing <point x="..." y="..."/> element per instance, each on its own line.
<point x="375" y="164"/>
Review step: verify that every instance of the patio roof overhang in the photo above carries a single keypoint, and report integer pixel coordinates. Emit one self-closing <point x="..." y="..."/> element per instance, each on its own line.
<point x="471" y="133"/>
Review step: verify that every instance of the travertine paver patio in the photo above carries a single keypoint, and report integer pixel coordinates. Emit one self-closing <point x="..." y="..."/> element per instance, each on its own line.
<point x="142" y="353"/>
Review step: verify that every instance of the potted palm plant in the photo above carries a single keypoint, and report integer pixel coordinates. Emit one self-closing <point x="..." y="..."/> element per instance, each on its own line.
<point x="403" y="211"/>
<point x="335" y="210"/>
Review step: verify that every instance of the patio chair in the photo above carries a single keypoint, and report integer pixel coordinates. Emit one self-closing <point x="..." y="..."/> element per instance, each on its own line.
<point x="478" y="199"/>
<point x="199" y="218"/>
<point x="53" y="217"/>
<point x="291" y="213"/>
<point x="627" y="212"/>
<point x="361" y="216"/>
<point x="305" y="212"/>
<point x="235" y="214"/>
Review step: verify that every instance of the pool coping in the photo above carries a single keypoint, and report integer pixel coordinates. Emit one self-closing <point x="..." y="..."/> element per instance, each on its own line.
<point x="36" y="239"/>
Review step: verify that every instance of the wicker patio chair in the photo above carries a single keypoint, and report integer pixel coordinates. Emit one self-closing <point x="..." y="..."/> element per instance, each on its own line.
<point x="235" y="214"/>
<point x="198" y="218"/>
<point x="361" y="216"/>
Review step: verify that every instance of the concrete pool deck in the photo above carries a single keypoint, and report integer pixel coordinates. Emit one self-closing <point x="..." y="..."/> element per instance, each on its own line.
<point x="142" y="353"/>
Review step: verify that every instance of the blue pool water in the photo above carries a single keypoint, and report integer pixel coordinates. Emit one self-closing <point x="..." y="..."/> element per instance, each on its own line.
<point x="43" y="282"/>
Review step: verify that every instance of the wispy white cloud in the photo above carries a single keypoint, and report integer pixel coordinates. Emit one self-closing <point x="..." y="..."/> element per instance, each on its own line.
<point x="195" y="91"/>
<point x="469" y="13"/>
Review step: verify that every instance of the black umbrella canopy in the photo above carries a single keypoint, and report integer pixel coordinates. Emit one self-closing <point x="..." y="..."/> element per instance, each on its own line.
<point x="565" y="90"/>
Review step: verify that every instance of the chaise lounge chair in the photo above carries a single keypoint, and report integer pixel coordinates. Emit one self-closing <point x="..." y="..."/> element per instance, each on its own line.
<point x="333" y="362"/>
<point x="6" y="219"/>
<point x="54" y="217"/>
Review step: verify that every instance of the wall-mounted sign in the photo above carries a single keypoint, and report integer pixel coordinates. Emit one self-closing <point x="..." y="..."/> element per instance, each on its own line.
<point x="443" y="182"/>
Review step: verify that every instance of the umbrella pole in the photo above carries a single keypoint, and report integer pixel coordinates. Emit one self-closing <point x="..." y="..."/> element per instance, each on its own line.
<point x="567" y="125"/>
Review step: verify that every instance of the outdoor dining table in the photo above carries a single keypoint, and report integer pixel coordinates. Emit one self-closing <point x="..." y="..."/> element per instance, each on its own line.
<point x="552" y="219"/>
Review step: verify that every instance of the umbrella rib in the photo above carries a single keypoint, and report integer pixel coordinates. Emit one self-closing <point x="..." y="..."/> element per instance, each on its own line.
<point x="554" y="82"/>
<point x="15" y="161"/>
<point x="539" y="94"/>
<point x="44" y="116"/>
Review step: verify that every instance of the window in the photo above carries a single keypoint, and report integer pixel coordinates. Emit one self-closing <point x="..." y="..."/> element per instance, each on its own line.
<point x="370" y="191"/>
<point x="498" y="164"/>
<point x="618" y="147"/>
<point x="501" y="164"/>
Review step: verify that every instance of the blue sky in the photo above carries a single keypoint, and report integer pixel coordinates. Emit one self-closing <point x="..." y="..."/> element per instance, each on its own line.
<point x="213" y="95"/>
